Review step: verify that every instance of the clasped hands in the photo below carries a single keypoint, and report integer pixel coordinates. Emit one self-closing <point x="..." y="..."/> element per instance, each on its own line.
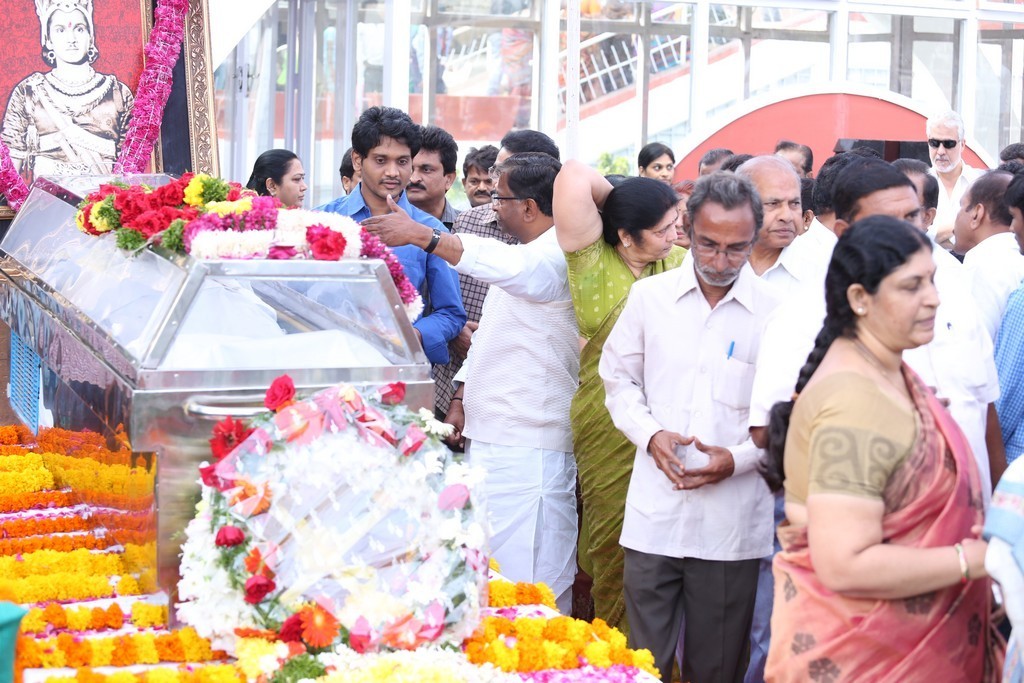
<point x="662" y="448"/>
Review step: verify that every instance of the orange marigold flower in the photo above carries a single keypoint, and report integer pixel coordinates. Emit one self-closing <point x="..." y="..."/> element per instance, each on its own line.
<point x="319" y="627"/>
<point x="55" y="616"/>
<point x="114" y="616"/>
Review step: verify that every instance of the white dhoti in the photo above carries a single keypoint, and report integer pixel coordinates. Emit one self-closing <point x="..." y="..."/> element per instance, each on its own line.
<point x="531" y="505"/>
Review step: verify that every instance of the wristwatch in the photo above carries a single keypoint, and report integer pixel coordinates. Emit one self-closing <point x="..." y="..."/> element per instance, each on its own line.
<point x="434" y="239"/>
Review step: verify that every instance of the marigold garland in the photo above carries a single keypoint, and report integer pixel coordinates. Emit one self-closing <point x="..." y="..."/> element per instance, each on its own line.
<point x="22" y="474"/>
<point x="502" y="593"/>
<point x="184" y="645"/>
<point x="47" y="562"/>
<point x="211" y="673"/>
<point x="526" y="645"/>
<point x="39" y="526"/>
<point x="36" y="501"/>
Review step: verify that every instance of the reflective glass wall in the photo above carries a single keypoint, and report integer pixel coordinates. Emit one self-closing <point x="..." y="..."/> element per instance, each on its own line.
<point x="298" y="74"/>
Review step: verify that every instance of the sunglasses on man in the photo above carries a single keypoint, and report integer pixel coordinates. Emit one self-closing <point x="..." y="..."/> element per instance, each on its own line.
<point x="948" y="144"/>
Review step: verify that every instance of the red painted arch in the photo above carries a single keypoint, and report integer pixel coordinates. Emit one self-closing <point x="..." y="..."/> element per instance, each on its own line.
<point x="816" y="120"/>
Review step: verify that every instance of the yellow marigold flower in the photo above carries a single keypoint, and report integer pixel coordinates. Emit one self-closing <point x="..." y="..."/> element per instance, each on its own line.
<point x="249" y="651"/>
<point x="145" y="649"/>
<point x="644" y="660"/>
<point x="620" y="655"/>
<point x="578" y="631"/>
<point x="501" y="594"/>
<point x="145" y="615"/>
<point x="616" y="638"/>
<point x="218" y="673"/>
<point x="224" y="208"/>
<point x="98" y="220"/>
<point x="197" y="648"/>
<point x="127" y="585"/>
<point x="529" y="627"/>
<point x="79" y="619"/>
<point x="194" y="190"/>
<point x="493" y="564"/>
<point x="162" y="675"/>
<point x="33" y="622"/>
<point x="51" y="656"/>
<point x="121" y="677"/>
<point x="502" y="656"/>
<point x="102" y="651"/>
<point x="597" y="654"/>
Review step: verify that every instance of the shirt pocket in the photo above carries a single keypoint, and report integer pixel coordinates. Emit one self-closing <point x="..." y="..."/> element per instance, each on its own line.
<point x="734" y="381"/>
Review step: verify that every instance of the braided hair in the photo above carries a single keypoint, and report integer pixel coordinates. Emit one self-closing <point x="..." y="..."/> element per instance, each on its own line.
<point x="867" y="253"/>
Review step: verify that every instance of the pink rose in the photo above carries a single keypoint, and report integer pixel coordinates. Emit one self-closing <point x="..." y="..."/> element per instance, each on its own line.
<point x="393" y="393"/>
<point x="360" y="638"/>
<point x="453" y="497"/>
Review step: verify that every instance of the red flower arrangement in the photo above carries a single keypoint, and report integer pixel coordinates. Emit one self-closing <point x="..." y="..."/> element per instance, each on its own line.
<point x="280" y="394"/>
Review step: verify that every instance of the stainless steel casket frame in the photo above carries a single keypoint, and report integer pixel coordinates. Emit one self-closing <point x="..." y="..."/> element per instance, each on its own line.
<point x="91" y="380"/>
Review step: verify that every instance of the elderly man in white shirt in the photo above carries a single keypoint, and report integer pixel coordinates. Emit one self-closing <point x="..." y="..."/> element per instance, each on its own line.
<point x="993" y="263"/>
<point x="698" y="515"/>
<point x="781" y="257"/>
<point x="519" y="377"/>
<point x="945" y="134"/>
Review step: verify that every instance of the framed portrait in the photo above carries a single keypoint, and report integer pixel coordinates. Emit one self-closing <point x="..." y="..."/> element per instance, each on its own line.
<point x="72" y="69"/>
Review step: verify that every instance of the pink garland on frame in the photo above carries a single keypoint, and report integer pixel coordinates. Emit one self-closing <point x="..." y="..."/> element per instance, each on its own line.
<point x="154" y="88"/>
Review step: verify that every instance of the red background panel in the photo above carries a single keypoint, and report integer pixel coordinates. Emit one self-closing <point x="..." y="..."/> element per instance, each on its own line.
<point x="120" y="37"/>
<point x="817" y="121"/>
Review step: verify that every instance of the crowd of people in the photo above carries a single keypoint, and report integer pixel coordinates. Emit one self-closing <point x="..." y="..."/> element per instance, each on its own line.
<point x="762" y="412"/>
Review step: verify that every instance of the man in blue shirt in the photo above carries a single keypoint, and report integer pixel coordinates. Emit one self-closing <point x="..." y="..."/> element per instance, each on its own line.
<point x="384" y="142"/>
<point x="1010" y="340"/>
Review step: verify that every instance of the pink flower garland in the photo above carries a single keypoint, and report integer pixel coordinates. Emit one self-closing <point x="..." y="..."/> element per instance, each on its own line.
<point x="12" y="185"/>
<point x="154" y="88"/>
<point x="374" y="248"/>
<point x="162" y="53"/>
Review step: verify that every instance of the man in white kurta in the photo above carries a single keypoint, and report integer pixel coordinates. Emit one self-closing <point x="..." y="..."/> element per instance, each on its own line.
<point x="678" y="368"/>
<point x="993" y="264"/>
<point x="520" y="375"/>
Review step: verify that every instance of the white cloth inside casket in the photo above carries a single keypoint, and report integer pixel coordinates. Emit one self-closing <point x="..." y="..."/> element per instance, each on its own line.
<point x="228" y="326"/>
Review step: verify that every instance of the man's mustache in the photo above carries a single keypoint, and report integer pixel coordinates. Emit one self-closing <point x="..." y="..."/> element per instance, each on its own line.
<point x="415" y="186"/>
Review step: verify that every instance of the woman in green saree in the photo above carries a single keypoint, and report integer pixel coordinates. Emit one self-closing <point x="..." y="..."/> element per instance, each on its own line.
<point x="611" y="237"/>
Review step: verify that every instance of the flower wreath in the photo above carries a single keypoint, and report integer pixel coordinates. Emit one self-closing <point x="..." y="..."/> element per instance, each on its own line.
<point x="211" y="218"/>
<point x="337" y="519"/>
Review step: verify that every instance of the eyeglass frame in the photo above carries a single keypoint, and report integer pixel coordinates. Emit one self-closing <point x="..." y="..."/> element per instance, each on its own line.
<point x="934" y="143"/>
<point x="496" y="199"/>
<point x="732" y="254"/>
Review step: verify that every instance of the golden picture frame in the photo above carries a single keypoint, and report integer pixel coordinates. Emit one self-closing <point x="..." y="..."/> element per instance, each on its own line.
<point x="107" y="26"/>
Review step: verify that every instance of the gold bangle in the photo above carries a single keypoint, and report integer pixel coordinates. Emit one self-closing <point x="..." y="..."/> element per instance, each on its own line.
<point x="965" y="571"/>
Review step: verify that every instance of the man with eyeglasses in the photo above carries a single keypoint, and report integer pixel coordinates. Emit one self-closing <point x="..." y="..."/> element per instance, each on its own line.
<point x="698" y="517"/>
<point x="783" y="255"/>
<point x="945" y="148"/>
<point x="482" y="222"/>
<point x="520" y="376"/>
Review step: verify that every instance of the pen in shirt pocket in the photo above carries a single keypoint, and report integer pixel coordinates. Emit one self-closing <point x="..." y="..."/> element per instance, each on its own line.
<point x="732" y="347"/>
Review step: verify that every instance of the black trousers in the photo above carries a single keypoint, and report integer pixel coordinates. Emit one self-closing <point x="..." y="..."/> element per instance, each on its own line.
<point x="717" y="600"/>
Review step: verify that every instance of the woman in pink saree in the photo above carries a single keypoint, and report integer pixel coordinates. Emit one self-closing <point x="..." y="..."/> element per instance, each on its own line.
<point x="881" y="575"/>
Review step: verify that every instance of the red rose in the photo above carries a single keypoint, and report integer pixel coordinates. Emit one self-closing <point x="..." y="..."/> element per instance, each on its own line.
<point x="393" y="394"/>
<point x="326" y="244"/>
<point x="256" y="588"/>
<point x="229" y="536"/>
<point x="291" y="629"/>
<point x="280" y="393"/>
<point x="227" y="434"/>
<point x="210" y="478"/>
<point x="131" y="203"/>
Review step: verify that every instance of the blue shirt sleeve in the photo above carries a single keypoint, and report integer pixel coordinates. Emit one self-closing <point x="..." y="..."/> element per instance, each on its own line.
<point x="446" y="316"/>
<point x="1009" y="354"/>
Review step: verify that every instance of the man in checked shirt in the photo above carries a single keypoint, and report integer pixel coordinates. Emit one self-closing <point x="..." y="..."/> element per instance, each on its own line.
<point x="479" y="220"/>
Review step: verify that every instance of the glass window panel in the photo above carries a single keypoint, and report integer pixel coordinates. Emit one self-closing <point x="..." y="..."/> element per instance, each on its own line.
<point x="756" y="50"/>
<point x="668" y="92"/>
<point x="999" y="106"/>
